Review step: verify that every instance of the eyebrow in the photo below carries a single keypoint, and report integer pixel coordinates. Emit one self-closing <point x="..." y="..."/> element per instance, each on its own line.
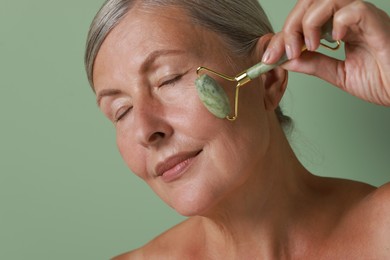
<point x="154" y="55"/>
<point x="106" y="93"/>
<point x="144" y="67"/>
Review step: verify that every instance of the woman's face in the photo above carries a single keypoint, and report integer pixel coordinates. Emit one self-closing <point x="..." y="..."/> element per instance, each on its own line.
<point x="144" y="80"/>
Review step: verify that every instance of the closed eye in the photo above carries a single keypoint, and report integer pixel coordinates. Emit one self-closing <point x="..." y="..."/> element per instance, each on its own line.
<point x="172" y="81"/>
<point x="122" y="113"/>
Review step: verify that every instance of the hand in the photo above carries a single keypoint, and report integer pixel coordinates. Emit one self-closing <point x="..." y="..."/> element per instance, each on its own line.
<point x="365" y="30"/>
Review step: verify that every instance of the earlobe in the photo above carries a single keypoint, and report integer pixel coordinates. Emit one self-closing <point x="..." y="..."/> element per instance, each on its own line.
<point x="274" y="81"/>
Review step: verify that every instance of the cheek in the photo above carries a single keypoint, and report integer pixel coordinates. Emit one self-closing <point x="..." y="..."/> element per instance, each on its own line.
<point x="188" y="115"/>
<point x="133" y="157"/>
<point x="244" y="142"/>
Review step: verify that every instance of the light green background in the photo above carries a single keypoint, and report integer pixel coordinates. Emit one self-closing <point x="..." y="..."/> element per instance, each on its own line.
<point x="65" y="192"/>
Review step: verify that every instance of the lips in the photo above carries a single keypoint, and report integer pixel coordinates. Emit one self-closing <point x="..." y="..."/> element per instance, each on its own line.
<point x="174" y="166"/>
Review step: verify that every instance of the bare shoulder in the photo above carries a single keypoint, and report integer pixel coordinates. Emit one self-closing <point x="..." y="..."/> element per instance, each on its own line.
<point x="365" y="227"/>
<point x="375" y="207"/>
<point x="179" y="242"/>
<point x="135" y="254"/>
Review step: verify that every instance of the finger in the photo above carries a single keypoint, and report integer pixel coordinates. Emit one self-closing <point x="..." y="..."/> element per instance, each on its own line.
<point x="292" y="29"/>
<point x="313" y="21"/>
<point x="275" y="49"/>
<point x="364" y="20"/>
<point x="319" y="65"/>
<point x="347" y="17"/>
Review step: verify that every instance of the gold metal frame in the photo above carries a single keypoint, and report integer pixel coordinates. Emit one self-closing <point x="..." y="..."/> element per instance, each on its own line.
<point x="242" y="78"/>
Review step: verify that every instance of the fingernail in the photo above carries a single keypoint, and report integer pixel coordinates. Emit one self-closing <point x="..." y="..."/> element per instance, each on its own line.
<point x="289" y="52"/>
<point x="308" y="44"/>
<point x="266" y="56"/>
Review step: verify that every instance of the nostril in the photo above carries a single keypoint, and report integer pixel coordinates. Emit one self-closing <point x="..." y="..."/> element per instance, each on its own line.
<point x="156" y="136"/>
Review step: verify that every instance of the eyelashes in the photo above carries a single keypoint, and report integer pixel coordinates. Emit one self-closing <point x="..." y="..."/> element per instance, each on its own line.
<point x="123" y="111"/>
<point x="172" y="81"/>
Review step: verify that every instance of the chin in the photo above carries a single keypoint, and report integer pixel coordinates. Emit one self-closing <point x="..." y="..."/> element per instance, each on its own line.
<point x="196" y="203"/>
<point x="192" y="209"/>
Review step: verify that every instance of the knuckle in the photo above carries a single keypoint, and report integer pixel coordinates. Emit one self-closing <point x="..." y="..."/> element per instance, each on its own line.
<point x="339" y="18"/>
<point x="309" y="24"/>
<point x="356" y="8"/>
<point x="360" y="6"/>
<point x="288" y="29"/>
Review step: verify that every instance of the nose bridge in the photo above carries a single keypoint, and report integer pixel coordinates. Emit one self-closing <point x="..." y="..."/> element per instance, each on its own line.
<point x="150" y="123"/>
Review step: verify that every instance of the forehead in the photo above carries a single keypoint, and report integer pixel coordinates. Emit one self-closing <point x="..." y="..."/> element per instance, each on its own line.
<point x="144" y="30"/>
<point x="150" y="26"/>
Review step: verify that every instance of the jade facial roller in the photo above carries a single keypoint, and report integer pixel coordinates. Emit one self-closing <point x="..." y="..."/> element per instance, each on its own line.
<point x="215" y="98"/>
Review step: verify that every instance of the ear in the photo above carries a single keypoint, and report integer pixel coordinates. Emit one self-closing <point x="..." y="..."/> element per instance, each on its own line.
<point x="274" y="81"/>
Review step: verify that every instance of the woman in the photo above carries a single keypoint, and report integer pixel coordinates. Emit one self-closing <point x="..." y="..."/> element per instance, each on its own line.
<point x="246" y="194"/>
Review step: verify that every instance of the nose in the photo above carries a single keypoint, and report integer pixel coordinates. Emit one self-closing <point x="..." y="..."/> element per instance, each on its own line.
<point x="151" y="123"/>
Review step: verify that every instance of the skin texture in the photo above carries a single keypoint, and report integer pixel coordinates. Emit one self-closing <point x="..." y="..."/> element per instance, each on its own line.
<point x="247" y="195"/>
<point x="365" y="31"/>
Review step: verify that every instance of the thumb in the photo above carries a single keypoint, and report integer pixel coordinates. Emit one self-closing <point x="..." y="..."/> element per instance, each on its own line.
<point x="319" y="65"/>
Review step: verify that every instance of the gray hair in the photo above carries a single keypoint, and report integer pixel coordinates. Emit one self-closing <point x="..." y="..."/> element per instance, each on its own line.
<point x="239" y="22"/>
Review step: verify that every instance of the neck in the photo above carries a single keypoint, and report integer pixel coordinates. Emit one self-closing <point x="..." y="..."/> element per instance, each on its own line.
<point x="257" y="217"/>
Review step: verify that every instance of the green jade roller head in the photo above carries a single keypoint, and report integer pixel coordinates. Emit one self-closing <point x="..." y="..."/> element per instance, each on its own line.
<point x="215" y="98"/>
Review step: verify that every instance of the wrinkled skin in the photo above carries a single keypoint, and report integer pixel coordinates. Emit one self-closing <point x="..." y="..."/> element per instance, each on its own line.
<point x="360" y="25"/>
<point x="246" y="194"/>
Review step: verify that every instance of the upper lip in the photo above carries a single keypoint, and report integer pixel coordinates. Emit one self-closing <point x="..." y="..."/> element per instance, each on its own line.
<point x="172" y="161"/>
